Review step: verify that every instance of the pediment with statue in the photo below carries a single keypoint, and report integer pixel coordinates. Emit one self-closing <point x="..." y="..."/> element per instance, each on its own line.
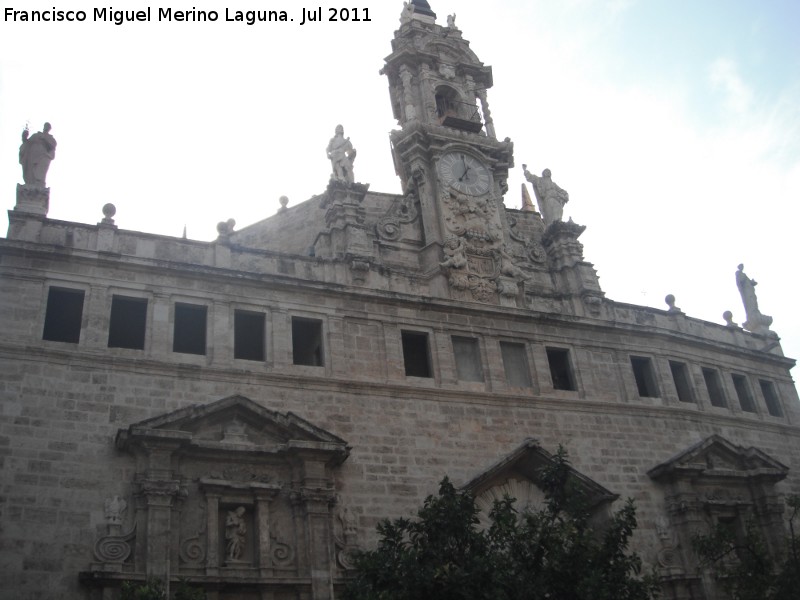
<point x="227" y="491"/>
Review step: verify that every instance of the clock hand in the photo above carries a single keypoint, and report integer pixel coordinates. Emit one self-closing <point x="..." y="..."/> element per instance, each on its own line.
<point x="466" y="168"/>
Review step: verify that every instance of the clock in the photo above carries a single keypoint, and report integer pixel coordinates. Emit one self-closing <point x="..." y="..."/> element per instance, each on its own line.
<point x="465" y="173"/>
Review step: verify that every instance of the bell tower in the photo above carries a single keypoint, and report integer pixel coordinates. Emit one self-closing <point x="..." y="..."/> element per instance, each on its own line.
<point x="447" y="154"/>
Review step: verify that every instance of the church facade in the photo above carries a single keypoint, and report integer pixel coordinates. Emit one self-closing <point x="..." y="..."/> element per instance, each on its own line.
<point x="241" y="413"/>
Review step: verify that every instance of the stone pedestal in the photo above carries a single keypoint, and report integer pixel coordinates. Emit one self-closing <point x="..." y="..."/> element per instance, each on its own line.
<point x="33" y="200"/>
<point x="347" y="235"/>
<point x="572" y="274"/>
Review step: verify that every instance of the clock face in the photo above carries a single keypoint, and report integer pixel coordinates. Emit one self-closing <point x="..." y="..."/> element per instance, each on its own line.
<point x="465" y="173"/>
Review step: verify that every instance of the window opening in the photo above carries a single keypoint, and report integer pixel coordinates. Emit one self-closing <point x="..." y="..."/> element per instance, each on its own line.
<point x="248" y="335"/>
<point x="416" y="354"/>
<point x="714" y="385"/>
<point x="560" y="369"/>
<point x="743" y="393"/>
<point x="189" y="335"/>
<point x="468" y="358"/>
<point x="515" y="363"/>
<point x="645" y="376"/>
<point x="771" y="398"/>
<point x="128" y="322"/>
<point x="680" y="376"/>
<point x="63" y="315"/>
<point x="307" y="342"/>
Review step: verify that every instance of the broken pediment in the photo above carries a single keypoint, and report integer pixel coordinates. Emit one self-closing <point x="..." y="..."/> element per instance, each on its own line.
<point x="716" y="457"/>
<point x="518" y="475"/>
<point x="234" y="424"/>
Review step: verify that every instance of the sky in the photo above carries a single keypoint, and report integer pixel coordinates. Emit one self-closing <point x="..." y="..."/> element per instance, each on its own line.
<point x="673" y="124"/>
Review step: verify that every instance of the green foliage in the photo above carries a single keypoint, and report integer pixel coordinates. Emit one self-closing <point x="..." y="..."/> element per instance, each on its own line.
<point x="185" y="591"/>
<point x="152" y="589"/>
<point x="742" y="562"/>
<point x="552" y="553"/>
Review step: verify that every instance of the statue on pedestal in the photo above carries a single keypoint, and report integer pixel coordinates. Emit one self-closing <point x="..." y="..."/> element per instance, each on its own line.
<point x="35" y="155"/>
<point x="342" y="155"/>
<point x="551" y="198"/>
<point x="755" y="321"/>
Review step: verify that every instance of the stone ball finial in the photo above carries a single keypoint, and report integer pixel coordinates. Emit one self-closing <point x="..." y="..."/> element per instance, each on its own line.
<point x="284" y="200"/>
<point x="109" y="210"/>
<point x="728" y="317"/>
<point x="670" y="300"/>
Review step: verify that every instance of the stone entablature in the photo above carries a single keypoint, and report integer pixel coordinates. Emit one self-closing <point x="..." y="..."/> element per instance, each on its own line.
<point x="363" y="341"/>
<point x="108" y="250"/>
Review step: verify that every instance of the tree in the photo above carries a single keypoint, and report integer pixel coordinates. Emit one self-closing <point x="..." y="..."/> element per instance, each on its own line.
<point x="552" y="553"/>
<point x="743" y="564"/>
<point x="153" y="589"/>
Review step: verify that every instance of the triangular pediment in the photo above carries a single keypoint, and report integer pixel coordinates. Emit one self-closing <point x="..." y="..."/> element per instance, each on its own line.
<point x="235" y="424"/>
<point x="716" y="457"/>
<point x="518" y="475"/>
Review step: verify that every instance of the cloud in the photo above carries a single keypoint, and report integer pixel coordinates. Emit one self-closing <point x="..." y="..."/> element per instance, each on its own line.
<point x="724" y="76"/>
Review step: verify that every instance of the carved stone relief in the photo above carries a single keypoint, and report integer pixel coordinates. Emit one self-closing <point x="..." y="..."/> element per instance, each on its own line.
<point x="230" y="492"/>
<point x="402" y="212"/>
<point x="476" y="261"/>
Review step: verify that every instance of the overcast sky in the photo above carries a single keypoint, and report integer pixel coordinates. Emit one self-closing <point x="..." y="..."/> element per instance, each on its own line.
<point x="673" y="124"/>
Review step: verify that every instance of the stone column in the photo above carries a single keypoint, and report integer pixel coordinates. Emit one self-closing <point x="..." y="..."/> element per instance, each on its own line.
<point x="408" y="99"/>
<point x="159" y="496"/>
<point x="315" y="504"/>
<point x="212" y="534"/>
<point x="487" y="114"/>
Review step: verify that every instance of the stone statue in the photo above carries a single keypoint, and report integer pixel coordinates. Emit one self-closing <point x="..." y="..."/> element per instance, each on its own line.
<point x="342" y="155"/>
<point x="408" y="10"/>
<point x="451" y="21"/>
<point x="755" y="321"/>
<point x="551" y="198"/>
<point x="455" y="254"/>
<point x="235" y="530"/>
<point x="35" y="155"/>
<point x="114" y="509"/>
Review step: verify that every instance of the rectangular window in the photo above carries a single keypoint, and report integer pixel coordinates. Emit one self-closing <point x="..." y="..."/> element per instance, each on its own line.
<point x="62" y="318"/>
<point x="416" y="354"/>
<point x="189" y="335"/>
<point x="743" y="393"/>
<point x="468" y="358"/>
<point x="771" y="398"/>
<point x="560" y="369"/>
<point x="680" y="376"/>
<point x="126" y="327"/>
<point x="714" y="385"/>
<point x="248" y="335"/>
<point x="515" y="363"/>
<point x="645" y="376"/>
<point x="307" y="342"/>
